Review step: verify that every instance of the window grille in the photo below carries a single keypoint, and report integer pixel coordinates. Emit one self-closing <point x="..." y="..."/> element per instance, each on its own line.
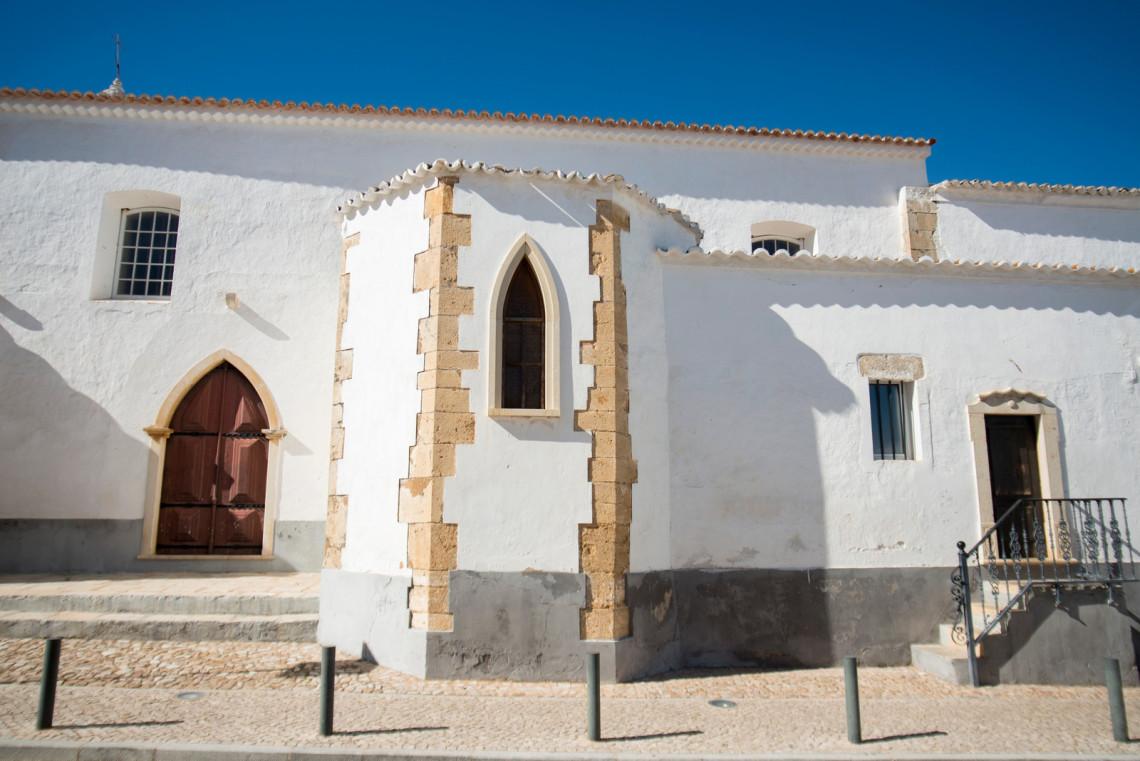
<point x="890" y="421"/>
<point x="524" y="342"/>
<point x="772" y="245"/>
<point x="147" y="241"/>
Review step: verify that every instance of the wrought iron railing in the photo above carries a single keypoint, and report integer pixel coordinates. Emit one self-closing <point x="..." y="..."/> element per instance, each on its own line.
<point x="1039" y="544"/>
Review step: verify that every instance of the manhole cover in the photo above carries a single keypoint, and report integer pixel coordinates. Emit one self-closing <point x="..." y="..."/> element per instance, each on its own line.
<point x="190" y="695"/>
<point x="722" y="704"/>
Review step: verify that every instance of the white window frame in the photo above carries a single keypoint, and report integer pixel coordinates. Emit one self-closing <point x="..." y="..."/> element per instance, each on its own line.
<point x="524" y="247"/>
<point x="123" y="214"/>
<point x="108" y="251"/>
<point x="904" y="370"/>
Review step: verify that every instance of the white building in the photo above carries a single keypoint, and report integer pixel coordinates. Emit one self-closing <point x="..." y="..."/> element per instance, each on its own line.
<point x="568" y="413"/>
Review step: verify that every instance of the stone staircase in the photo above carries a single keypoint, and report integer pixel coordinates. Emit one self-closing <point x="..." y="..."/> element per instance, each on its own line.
<point x="947" y="659"/>
<point x="278" y="607"/>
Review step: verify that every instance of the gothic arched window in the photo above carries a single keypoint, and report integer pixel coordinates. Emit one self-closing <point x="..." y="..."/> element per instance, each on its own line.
<point x="214" y="474"/>
<point x="524" y="342"/>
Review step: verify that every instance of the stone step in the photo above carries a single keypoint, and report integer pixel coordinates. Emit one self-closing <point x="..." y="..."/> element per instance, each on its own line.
<point x="167" y="594"/>
<point x="948" y="663"/>
<point x="155" y="626"/>
<point x="946" y="639"/>
<point x="172" y="604"/>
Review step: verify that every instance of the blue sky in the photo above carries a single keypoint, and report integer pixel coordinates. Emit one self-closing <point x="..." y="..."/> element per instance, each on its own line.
<point x="1043" y="91"/>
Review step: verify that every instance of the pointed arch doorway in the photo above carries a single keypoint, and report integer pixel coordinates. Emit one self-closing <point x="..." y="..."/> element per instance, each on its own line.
<point x="215" y="469"/>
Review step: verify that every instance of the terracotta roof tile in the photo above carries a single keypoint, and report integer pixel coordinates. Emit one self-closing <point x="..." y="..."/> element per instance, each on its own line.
<point x="903" y="266"/>
<point x="1033" y="187"/>
<point x="458" y="115"/>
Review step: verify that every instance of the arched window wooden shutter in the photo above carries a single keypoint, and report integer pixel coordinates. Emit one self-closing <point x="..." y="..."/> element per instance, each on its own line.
<point x="524" y="342"/>
<point x="213" y="479"/>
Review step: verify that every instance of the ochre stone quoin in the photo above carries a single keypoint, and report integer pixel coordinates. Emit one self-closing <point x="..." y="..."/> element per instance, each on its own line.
<point x="603" y="545"/>
<point x="445" y="418"/>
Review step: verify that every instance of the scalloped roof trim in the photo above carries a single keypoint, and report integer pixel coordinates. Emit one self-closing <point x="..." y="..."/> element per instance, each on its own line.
<point x="250" y="104"/>
<point x="1033" y="187"/>
<point x="422" y="174"/>
<point x="954" y="268"/>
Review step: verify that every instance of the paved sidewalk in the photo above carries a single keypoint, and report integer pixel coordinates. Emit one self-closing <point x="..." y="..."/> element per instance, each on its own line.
<point x="798" y="713"/>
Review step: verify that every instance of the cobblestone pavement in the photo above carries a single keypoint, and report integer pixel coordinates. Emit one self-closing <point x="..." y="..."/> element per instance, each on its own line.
<point x="265" y="694"/>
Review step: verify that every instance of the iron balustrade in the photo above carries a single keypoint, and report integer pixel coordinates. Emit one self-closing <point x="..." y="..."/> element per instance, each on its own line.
<point x="1039" y="543"/>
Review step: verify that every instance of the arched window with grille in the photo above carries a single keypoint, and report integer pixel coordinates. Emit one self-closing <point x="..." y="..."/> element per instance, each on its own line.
<point x="215" y="470"/>
<point x="524" y="336"/>
<point x="783" y="236"/>
<point x="524" y="329"/>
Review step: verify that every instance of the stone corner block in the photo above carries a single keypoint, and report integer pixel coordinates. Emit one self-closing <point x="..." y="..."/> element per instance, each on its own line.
<point x="605" y="623"/>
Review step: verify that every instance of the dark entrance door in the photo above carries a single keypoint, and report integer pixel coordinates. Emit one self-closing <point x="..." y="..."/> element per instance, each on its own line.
<point x="213" y="479"/>
<point x="1012" y="444"/>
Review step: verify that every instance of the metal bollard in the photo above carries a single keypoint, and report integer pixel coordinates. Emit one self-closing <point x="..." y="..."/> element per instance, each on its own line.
<point x="851" y="684"/>
<point x="593" y="699"/>
<point x="1116" y="700"/>
<point x="328" y="685"/>
<point x="49" y="677"/>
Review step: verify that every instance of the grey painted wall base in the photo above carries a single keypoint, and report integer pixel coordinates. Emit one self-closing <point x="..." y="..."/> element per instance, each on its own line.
<point x="1045" y="644"/>
<point x="525" y="626"/>
<point x="29" y="545"/>
<point x="808" y="618"/>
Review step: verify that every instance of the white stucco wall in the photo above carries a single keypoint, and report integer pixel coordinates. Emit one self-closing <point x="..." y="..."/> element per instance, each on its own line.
<point x="748" y="414"/>
<point x="381" y="400"/>
<point x="258" y="221"/>
<point x="520" y="490"/>
<point x="1046" y="228"/>
<point x="770" y="432"/>
<point x="82" y="377"/>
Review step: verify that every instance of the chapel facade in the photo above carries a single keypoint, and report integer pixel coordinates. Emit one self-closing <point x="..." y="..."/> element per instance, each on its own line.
<point x="738" y="413"/>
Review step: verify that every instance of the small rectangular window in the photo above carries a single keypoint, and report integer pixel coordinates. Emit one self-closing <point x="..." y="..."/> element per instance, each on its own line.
<point x="147" y="243"/>
<point x="890" y="420"/>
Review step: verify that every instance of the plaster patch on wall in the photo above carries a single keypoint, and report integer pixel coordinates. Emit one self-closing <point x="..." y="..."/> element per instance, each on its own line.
<point x="336" y="521"/>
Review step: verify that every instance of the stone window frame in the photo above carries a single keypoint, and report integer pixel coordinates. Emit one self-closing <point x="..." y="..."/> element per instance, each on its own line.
<point x="906" y="370"/>
<point x="524" y="247"/>
<point x="1012" y="401"/>
<point x="781" y="229"/>
<point x="160" y="431"/>
<point x="107" y="246"/>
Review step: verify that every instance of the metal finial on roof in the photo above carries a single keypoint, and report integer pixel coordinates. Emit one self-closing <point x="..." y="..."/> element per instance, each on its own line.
<point x="116" y="87"/>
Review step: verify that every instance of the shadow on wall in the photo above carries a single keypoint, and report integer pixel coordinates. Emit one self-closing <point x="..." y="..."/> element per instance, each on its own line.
<point x="63" y="455"/>
<point x="1014" y="295"/>
<point x="746" y="477"/>
<point x="1065" y="644"/>
<point x="372" y="156"/>
<point x="1072" y="222"/>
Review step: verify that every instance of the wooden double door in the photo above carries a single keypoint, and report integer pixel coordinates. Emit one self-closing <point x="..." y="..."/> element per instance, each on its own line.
<point x="214" y="474"/>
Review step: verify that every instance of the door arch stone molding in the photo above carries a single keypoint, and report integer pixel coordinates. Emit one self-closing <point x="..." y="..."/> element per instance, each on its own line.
<point x="159" y="432"/>
<point x="1012" y="401"/>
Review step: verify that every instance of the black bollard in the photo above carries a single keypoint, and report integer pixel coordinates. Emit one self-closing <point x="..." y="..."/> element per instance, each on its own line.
<point x="1116" y="700"/>
<point x="328" y="685"/>
<point x="593" y="699"/>
<point x="49" y="677"/>
<point x="851" y="683"/>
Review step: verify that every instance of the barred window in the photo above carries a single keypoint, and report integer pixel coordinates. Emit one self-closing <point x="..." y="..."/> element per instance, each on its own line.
<point x="148" y="238"/>
<point x="524" y="338"/>
<point x="890" y="420"/>
<point x="772" y="245"/>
